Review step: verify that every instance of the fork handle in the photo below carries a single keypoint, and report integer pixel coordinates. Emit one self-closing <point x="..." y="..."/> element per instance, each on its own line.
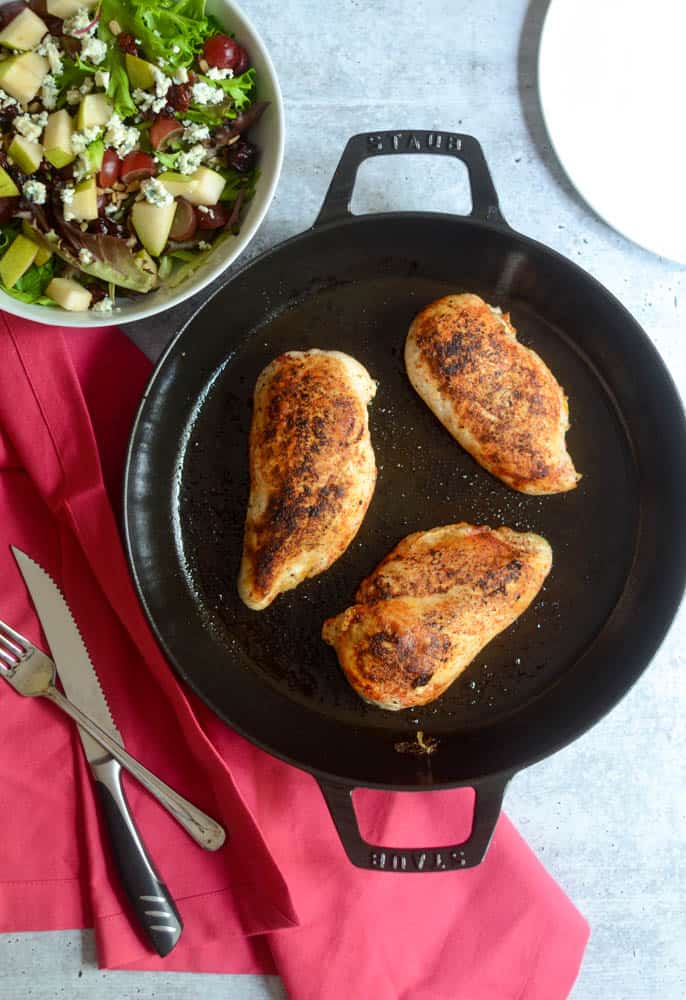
<point x="201" y="827"/>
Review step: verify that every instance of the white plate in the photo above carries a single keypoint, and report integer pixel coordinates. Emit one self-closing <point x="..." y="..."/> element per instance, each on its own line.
<point x="611" y="77"/>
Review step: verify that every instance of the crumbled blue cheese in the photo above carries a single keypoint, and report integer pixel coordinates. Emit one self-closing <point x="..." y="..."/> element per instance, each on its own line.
<point x="162" y="82"/>
<point x="205" y="93"/>
<point x="93" y="50"/>
<point x="49" y="91"/>
<point x="85" y="257"/>
<point x="67" y="199"/>
<point x="215" y="73"/>
<point x="112" y="208"/>
<point x="35" y="192"/>
<point x="123" y="138"/>
<point x="204" y="245"/>
<point x="102" y="79"/>
<point x="104" y="306"/>
<point x="76" y="26"/>
<point x="189" y="161"/>
<point x="73" y="96"/>
<point x="195" y="132"/>
<point x="31" y="126"/>
<point x="49" y="49"/>
<point x="175" y="49"/>
<point x="147" y="101"/>
<point x="80" y="140"/>
<point x="87" y="86"/>
<point x="6" y="101"/>
<point x="155" y="192"/>
<point x="181" y="75"/>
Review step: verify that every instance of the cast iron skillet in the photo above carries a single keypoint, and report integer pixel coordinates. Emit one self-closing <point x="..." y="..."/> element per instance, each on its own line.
<point x="355" y="283"/>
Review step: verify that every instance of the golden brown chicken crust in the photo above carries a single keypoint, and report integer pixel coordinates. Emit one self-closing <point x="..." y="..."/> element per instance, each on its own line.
<point x="430" y="606"/>
<point x="495" y="396"/>
<point x="312" y="470"/>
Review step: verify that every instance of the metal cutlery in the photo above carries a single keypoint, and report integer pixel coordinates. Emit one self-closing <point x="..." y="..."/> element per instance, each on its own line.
<point x="30" y="671"/>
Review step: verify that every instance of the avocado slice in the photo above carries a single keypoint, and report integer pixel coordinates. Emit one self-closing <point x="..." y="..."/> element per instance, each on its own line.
<point x="57" y="139"/>
<point x="8" y="189"/>
<point x="27" y="155"/>
<point x="69" y="294"/>
<point x="140" y="73"/>
<point x="24" y="31"/>
<point x="17" y="259"/>
<point x="94" y="110"/>
<point x="152" y="224"/>
<point x="22" y="76"/>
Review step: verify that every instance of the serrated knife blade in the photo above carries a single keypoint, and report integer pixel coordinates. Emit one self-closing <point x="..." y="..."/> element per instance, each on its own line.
<point x="76" y="672"/>
<point x="150" y="898"/>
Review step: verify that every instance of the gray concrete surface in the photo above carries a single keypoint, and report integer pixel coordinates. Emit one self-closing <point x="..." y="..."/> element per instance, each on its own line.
<point x="607" y="815"/>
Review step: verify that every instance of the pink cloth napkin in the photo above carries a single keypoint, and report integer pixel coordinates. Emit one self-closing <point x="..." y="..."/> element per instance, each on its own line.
<point x="281" y="895"/>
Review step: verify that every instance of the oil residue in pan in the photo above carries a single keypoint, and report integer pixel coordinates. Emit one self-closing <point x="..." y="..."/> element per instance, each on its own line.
<point x="425" y="480"/>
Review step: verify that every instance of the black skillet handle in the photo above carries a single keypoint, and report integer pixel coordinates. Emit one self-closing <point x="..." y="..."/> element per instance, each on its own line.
<point x="366" y="144"/>
<point x="487" y="806"/>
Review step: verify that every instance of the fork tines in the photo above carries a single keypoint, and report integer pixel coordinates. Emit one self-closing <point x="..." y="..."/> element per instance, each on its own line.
<point x="13" y="645"/>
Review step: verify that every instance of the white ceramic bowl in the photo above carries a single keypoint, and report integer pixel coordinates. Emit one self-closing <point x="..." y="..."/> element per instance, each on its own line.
<point x="269" y="136"/>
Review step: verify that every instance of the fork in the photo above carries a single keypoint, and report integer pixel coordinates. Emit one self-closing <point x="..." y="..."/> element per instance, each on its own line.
<point x="32" y="673"/>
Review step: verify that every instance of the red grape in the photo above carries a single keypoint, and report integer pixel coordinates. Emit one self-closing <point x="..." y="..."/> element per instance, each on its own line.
<point x="109" y="170"/>
<point x="163" y="130"/>
<point x="185" y="221"/>
<point x="225" y="53"/>
<point x="214" y="217"/>
<point x="137" y="166"/>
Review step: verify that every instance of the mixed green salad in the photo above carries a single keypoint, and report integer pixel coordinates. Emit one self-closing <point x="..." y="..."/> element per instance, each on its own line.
<point x="124" y="156"/>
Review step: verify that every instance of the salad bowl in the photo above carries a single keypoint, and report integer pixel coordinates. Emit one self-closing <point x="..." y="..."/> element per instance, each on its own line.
<point x="267" y="134"/>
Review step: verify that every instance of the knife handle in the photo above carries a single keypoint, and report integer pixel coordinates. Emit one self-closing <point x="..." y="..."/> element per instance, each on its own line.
<point x="149" y="896"/>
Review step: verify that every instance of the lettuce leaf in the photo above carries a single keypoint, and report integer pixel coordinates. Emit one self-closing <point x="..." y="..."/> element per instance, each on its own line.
<point x="31" y="286"/>
<point x="74" y="72"/>
<point x="113" y="261"/>
<point x="239" y="93"/>
<point x="241" y="89"/>
<point x="236" y="182"/>
<point x="118" y="89"/>
<point x="172" y="31"/>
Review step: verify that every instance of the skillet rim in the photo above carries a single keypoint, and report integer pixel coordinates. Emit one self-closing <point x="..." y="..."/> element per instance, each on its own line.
<point x="663" y="615"/>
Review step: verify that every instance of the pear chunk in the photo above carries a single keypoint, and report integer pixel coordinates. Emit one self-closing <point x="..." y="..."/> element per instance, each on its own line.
<point x="94" y="110"/>
<point x="57" y="139"/>
<point x="152" y="224"/>
<point x="24" y="31"/>
<point x="22" y="76"/>
<point x="27" y="155"/>
<point x="17" y="260"/>
<point x="69" y="294"/>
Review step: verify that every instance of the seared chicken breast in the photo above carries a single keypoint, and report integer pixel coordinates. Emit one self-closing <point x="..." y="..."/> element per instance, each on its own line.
<point x="431" y="605"/>
<point x="495" y="396"/>
<point x="312" y="470"/>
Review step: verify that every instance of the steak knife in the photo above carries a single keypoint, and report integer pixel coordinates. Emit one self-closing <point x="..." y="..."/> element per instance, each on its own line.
<point x="150" y="898"/>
